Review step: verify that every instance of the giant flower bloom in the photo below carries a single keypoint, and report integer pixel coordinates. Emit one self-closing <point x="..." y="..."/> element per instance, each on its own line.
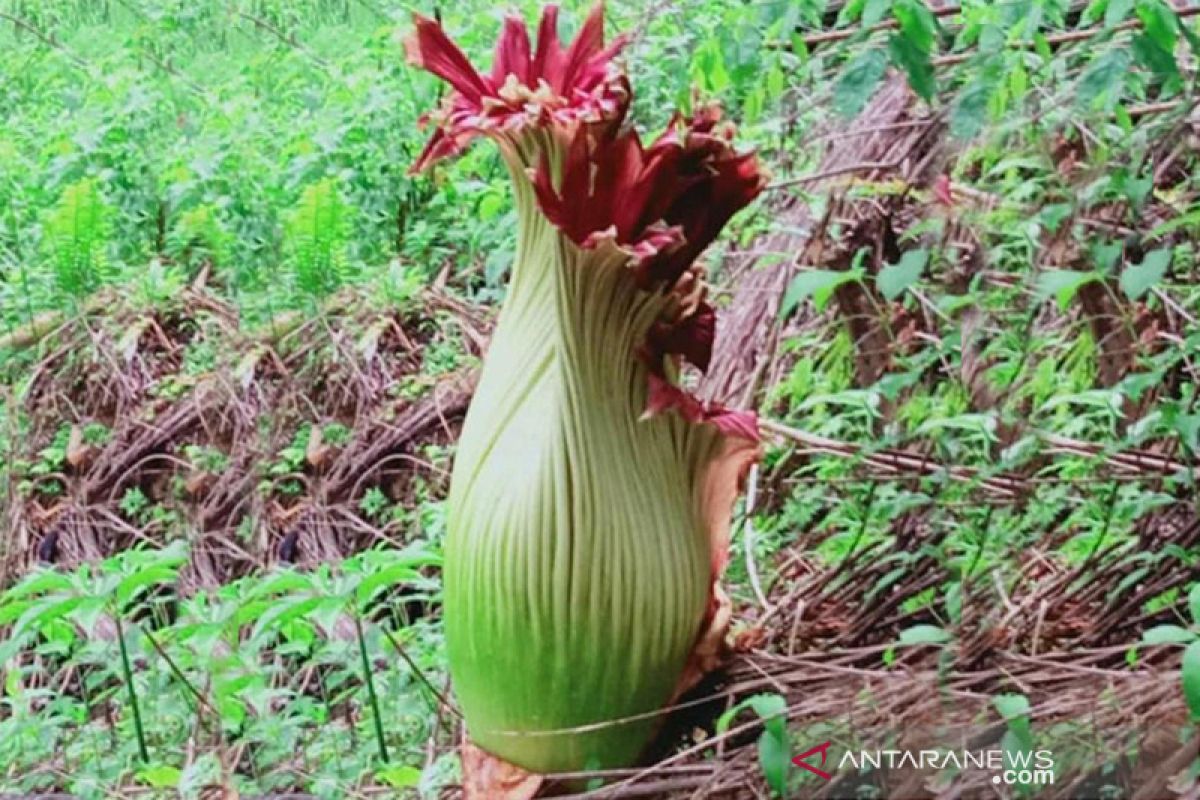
<point x="591" y="495"/>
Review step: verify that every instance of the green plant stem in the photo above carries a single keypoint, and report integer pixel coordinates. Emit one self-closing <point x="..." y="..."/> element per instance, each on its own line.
<point x="987" y="528"/>
<point x="143" y="753"/>
<point x="421" y="674"/>
<point x="366" y="667"/>
<point x="178" y="673"/>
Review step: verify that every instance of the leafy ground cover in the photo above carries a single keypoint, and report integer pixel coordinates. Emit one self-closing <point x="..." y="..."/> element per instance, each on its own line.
<point x="237" y="340"/>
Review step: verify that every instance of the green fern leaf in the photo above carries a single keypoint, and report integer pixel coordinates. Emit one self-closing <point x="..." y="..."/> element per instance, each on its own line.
<point x="316" y="234"/>
<point x="76" y="236"/>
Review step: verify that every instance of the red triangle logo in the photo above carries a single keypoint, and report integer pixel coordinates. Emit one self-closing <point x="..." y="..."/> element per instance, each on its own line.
<point x="823" y="749"/>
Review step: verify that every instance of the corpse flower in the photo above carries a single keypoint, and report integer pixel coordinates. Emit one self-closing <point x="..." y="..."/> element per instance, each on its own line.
<point x="591" y="495"/>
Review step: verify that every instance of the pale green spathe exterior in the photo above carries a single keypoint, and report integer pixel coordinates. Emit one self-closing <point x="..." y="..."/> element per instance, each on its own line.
<point x="577" y="563"/>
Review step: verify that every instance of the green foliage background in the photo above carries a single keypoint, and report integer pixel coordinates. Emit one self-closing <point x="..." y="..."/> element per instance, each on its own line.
<point x="264" y="144"/>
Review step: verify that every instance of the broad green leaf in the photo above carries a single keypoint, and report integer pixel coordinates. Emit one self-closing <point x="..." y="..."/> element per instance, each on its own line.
<point x="1158" y="24"/>
<point x="284" y="582"/>
<point x="1062" y="284"/>
<point x="44" y="612"/>
<point x="918" y="25"/>
<point x="924" y="634"/>
<point x="851" y="11"/>
<point x="1153" y="57"/>
<point x="1116" y="12"/>
<point x="969" y="112"/>
<point x="43" y="580"/>
<point x="1138" y="279"/>
<point x="160" y="776"/>
<point x="819" y="284"/>
<point x="400" y="777"/>
<point x="144" y="577"/>
<point x="384" y="577"/>
<point x="873" y="11"/>
<point x="283" y="612"/>
<point x="1188" y="428"/>
<point x="1103" y="77"/>
<point x="1194" y="604"/>
<point x="894" y="279"/>
<point x="1191" y="678"/>
<point x="857" y="82"/>
<point x="768" y="707"/>
<point x="1168" y="634"/>
<point x="13" y="610"/>
<point x="916" y="65"/>
<point x="1011" y="706"/>
<point x="775" y="760"/>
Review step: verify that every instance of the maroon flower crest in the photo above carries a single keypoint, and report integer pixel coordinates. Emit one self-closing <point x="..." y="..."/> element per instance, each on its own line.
<point x="660" y="205"/>
<point x="525" y="88"/>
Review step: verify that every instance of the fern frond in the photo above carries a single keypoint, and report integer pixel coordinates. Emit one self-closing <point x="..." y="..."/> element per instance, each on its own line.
<point x="316" y="237"/>
<point x="76" y="235"/>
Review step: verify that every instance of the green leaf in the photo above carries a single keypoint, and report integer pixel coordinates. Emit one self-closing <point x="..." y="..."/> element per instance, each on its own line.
<point x="284" y="582"/>
<point x="916" y="66"/>
<point x="1158" y="24"/>
<point x="282" y="613"/>
<point x="819" y="284"/>
<point x="768" y="707"/>
<point x="1103" y="77"/>
<point x="1194" y="604"/>
<point x="1116" y="12"/>
<point x="1188" y="428"/>
<point x="1140" y="278"/>
<point x="144" y="577"/>
<point x="924" y="634"/>
<point x="1151" y="56"/>
<point x="384" y="577"/>
<point x="1062" y="284"/>
<point x="160" y="776"/>
<point x="1191" y="678"/>
<point x="44" y="580"/>
<point x="1052" y="215"/>
<point x="1168" y="634"/>
<point x="917" y="24"/>
<point x="895" y="278"/>
<point x="857" y="82"/>
<point x="775" y="759"/>
<point x="873" y="12"/>
<point x="401" y="777"/>
<point x="969" y="111"/>
<point x="1011" y="706"/>
<point x="774" y="750"/>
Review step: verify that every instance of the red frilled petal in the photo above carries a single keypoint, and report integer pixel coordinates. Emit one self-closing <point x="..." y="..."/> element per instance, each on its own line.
<point x="430" y="48"/>
<point x="548" y="59"/>
<point x="665" y="396"/>
<point x="439" y="146"/>
<point x="512" y="53"/>
<point x="544" y="87"/>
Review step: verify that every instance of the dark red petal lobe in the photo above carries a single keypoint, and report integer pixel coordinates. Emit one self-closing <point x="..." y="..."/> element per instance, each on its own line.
<point x="703" y="209"/>
<point x="691" y="338"/>
<point x="665" y="396"/>
<point x="690" y="179"/>
<point x="438" y="147"/>
<point x="547" y="61"/>
<point x="512" y="53"/>
<point x="428" y="47"/>
<point x="731" y="422"/>
<point x="587" y="44"/>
